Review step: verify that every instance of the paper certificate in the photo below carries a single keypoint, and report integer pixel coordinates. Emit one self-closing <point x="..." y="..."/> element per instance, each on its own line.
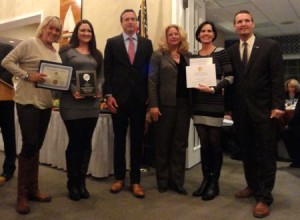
<point x="201" y="61"/>
<point x="58" y="76"/>
<point x="201" y="74"/>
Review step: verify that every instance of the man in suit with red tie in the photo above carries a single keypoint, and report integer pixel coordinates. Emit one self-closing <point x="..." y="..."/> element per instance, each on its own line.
<point x="258" y="103"/>
<point x="126" y="61"/>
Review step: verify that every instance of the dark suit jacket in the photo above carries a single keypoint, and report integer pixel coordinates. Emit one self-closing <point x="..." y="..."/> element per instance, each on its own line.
<point x="260" y="87"/>
<point x="121" y="77"/>
<point x="4" y="74"/>
<point x="163" y="79"/>
<point x="295" y="121"/>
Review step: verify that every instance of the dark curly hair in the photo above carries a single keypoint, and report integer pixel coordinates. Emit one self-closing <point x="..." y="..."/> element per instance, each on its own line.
<point x="202" y="25"/>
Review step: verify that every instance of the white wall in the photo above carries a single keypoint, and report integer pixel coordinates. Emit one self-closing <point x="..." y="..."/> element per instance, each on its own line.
<point x="20" y="33"/>
<point x="104" y="15"/>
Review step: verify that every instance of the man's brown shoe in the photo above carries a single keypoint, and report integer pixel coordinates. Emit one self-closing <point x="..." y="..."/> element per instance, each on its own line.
<point x="2" y="180"/>
<point x="117" y="186"/>
<point x="261" y="210"/>
<point x="245" y="193"/>
<point x="137" y="190"/>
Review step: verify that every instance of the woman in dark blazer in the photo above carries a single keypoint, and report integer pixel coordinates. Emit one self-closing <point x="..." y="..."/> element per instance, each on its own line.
<point x="169" y="108"/>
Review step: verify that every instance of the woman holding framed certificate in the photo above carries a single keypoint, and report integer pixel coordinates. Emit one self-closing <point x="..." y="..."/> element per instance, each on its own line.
<point x="170" y="108"/>
<point x="34" y="105"/>
<point x="80" y="105"/>
<point x="208" y="111"/>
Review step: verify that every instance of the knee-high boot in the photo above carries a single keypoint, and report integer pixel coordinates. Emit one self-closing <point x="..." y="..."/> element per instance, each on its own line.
<point x="82" y="174"/>
<point x="73" y="176"/>
<point x="212" y="189"/>
<point x="33" y="191"/>
<point x="205" y="171"/>
<point x="24" y="170"/>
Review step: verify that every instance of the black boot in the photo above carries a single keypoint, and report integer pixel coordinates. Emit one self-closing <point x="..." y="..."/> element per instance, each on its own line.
<point x="73" y="177"/>
<point x="212" y="189"/>
<point x="82" y="173"/>
<point x="205" y="171"/>
<point x="83" y="192"/>
<point x="201" y="189"/>
<point x="72" y="187"/>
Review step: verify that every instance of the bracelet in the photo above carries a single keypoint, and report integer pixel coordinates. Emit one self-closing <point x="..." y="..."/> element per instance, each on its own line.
<point x="27" y="76"/>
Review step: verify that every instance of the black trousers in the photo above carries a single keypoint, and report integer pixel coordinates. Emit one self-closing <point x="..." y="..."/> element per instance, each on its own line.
<point x="171" y="140"/>
<point x="133" y="113"/>
<point x="291" y="139"/>
<point x="34" y="124"/>
<point x="7" y="124"/>
<point x="78" y="153"/>
<point x="258" y="143"/>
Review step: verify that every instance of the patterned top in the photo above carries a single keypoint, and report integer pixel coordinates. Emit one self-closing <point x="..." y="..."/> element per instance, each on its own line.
<point x="207" y="108"/>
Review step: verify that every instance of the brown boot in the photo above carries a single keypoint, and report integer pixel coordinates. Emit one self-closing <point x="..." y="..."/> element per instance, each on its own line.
<point x="34" y="192"/>
<point x="23" y="181"/>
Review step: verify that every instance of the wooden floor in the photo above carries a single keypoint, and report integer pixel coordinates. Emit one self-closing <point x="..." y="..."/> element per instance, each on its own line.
<point x="169" y="205"/>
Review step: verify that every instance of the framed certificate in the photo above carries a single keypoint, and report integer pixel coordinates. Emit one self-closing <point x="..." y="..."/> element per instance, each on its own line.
<point x="86" y="81"/>
<point x="58" y="75"/>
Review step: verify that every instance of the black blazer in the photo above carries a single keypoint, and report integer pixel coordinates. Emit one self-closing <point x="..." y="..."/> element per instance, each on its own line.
<point x="259" y="87"/>
<point x="123" y="78"/>
<point x="4" y="74"/>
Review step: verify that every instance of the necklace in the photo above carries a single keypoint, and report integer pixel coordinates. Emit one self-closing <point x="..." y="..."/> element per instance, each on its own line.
<point x="175" y="55"/>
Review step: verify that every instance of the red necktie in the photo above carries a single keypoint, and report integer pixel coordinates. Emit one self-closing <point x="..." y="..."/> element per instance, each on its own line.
<point x="131" y="50"/>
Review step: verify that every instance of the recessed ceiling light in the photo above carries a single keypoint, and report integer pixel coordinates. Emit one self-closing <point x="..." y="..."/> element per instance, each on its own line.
<point x="287" y="22"/>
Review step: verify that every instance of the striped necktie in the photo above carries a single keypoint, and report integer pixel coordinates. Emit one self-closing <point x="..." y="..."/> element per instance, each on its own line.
<point x="131" y="51"/>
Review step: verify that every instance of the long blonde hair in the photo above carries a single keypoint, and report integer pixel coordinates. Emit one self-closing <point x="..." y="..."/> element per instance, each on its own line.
<point x="183" y="46"/>
<point x="50" y="19"/>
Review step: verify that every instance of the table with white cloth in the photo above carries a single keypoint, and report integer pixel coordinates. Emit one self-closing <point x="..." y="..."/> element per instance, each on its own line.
<point x="101" y="162"/>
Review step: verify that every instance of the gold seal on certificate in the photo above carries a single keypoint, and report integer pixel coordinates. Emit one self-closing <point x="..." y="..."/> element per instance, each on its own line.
<point x="86" y="81"/>
<point x="58" y="76"/>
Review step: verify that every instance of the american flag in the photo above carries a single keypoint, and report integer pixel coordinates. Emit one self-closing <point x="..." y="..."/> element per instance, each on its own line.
<point x="142" y="20"/>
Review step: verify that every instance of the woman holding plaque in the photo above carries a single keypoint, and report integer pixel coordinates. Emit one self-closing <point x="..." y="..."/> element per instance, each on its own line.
<point x="34" y="105"/>
<point x="170" y="108"/>
<point x="79" y="106"/>
<point x="208" y="111"/>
